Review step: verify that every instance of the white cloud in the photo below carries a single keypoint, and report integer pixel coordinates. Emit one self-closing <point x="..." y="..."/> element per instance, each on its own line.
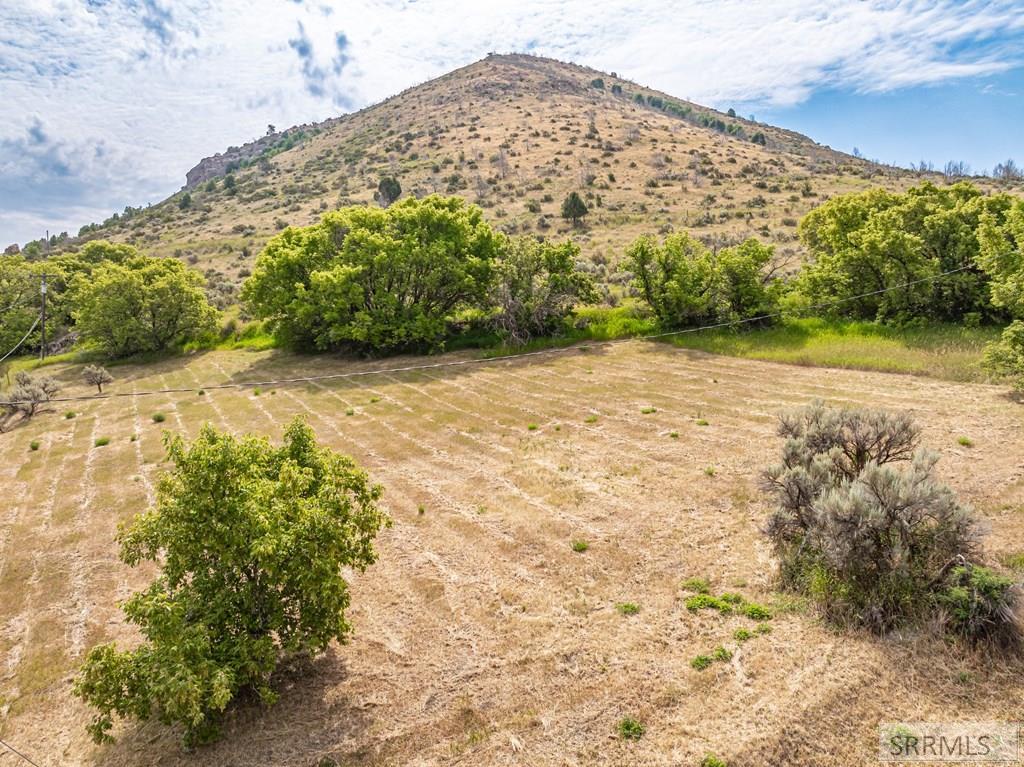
<point x="130" y="93"/>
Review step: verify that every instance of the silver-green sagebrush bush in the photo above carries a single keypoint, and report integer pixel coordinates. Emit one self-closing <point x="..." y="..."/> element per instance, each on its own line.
<point x="251" y="539"/>
<point x="862" y="527"/>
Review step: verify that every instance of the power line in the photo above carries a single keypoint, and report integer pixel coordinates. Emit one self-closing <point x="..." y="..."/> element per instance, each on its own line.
<point x="16" y="752"/>
<point x="23" y="338"/>
<point x="487" y="360"/>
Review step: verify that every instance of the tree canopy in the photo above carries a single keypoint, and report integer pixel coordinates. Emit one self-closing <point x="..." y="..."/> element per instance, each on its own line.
<point x="686" y="284"/>
<point x="251" y="540"/>
<point x="376" y="279"/>
<point x="879" y="240"/>
<point x="141" y="304"/>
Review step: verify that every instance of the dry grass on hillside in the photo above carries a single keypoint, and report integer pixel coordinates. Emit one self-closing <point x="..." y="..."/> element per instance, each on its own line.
<point x="482" y="637"/>
<point x="515" y="134"/>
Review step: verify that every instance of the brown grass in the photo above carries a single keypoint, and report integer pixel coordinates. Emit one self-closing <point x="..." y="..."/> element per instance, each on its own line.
<point x="481" y="637"/>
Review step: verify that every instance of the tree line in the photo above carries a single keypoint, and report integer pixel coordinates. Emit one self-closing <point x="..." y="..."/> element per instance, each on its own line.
<point x="421" y="273"/>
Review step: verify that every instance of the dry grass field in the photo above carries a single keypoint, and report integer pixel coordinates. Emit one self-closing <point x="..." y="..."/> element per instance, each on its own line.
<point x="482" y="636"/>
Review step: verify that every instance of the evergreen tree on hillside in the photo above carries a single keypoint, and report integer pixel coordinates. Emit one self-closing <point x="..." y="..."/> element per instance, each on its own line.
<point x="574" y="209"/>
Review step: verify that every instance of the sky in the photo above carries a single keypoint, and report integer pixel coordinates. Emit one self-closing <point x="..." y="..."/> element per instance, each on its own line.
<point x="107" y="103"/>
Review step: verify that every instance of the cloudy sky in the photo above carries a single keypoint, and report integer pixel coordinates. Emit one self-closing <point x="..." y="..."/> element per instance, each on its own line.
<point x="108" y="102"/>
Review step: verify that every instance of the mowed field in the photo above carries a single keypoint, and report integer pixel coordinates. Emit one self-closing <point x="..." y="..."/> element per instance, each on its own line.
<point x="481" y="636"/>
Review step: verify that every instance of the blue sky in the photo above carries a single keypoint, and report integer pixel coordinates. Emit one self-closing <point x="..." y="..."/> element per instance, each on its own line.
<point x="108" y="102"/>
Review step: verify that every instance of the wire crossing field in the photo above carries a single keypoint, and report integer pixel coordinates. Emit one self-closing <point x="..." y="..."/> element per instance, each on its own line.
<point x="533" y="501"/>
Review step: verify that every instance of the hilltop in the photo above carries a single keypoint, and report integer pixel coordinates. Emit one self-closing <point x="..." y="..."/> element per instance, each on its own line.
<point x="513" y="134"/>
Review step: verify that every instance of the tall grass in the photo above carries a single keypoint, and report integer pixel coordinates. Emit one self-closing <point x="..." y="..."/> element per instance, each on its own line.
<point x="951" y="352"/>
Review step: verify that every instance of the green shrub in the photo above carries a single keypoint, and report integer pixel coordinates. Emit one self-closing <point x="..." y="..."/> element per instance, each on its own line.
<point x="706" y="602"/>
<point x="33" y="445"/>
<point x="721" y="654"/>
<point x="710" y="760"/>
<point x="979" y="605"/>
<point x="869" y="544"/>
<point x="628" y="608"/>
<point x="580" y="546"/>
<point x="701" y="662"/>
<point x="697" y="585"/>
<point x="756" y="612"/>
<point x="630" y="728"/>
<point x="251" y="541"/>
<point x="159" y="418"/>
<point x="101" y="441"/>
<point x="1005" y="357"/>
<point x="686" y="284"/>
<point x="742" y="635"/>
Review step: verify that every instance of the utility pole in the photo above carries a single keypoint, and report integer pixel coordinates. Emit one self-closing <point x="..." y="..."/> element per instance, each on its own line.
<point x="42" y="346"/>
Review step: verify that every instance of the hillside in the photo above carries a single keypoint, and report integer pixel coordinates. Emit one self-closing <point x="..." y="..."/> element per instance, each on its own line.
<point x="514" y="134"/>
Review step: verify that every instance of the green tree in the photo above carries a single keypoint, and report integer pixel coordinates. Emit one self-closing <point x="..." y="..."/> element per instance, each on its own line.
<point x="687" y="284"/>
<point x="573" y="208"/>
<point x="251" y="541"/>
<point x="1002" y="256"/>
<point x="536" y="286"/>
<point x="142" y="304"/>
<point x="376" y="279"/>
<point x="185" y="201"/>
<point x="388" y="190"/>
<point x="880" y="241"/>
<point x="1005" y="357"/>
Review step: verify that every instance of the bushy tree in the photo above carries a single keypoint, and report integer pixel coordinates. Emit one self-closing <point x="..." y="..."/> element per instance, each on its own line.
<point x="573" y="208"/>
<point x="96" y="375"/>
<point x="376" y="279"/>
<point x="251" y="541"/>
<point x="1001" y="255"/>
<point x="142" y="304"/>
<point x="878" y="241"/>
<point x="26" y="397"/>
<point x="388" y="190"/>
<point x="687" y="284"/>
<point x="536" y="286"/>
<point x="871" y="544"/>
<point x="1005" y="357"/>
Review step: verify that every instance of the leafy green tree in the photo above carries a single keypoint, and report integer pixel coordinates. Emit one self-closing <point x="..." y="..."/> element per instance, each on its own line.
<point x="1002" y="256"/>
<point x="185" y="201"/>
<point x="142" y="304"/>
<point x="573" y="208"/>
<point x="1005" y="357"/>
<point x="686" y="284"/>
<point x="878" y="241"/>
<point x="251" y="541"/>
<point x="388" y="190"/>
<point x="536" y="286"/>
<point x="376" y="279"/>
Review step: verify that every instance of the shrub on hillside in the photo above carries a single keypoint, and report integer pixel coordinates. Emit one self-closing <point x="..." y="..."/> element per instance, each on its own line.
<point x="251" y="540"/>
<point x="686" y="284"/>
<point x="26" y="397"/>
<point x="375" y="279"/>
<point x="871" y="544"/>
<point x="96" y="375"/>
<point x="536" y="286"/>
<point x="141" y="304"/>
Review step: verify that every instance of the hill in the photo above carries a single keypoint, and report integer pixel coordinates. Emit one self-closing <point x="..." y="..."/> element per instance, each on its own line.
<point x="513" y="134"/>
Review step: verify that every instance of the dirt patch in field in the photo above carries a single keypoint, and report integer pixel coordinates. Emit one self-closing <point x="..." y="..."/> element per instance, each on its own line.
<point x="482" y="637"/>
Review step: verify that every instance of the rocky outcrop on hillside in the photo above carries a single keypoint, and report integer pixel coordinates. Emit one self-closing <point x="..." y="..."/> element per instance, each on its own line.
<point x="235" y="156"/>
